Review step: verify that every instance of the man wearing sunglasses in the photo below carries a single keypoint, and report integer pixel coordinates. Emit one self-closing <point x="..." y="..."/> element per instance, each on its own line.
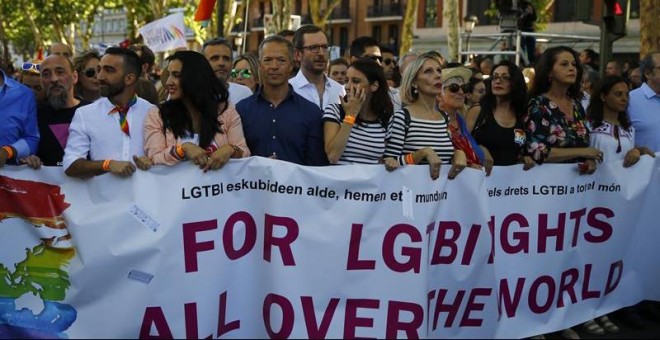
<point x="55" y="114"/>
<point x="311" y="51"/>
<point x="19" y="134"/>
<point x="367" y="47"/>
<point x="388" y="62"/>
<point x="218" y="52"/>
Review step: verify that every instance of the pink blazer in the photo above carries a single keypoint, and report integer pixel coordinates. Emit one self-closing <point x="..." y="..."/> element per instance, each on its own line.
<point x="158" y="145"/>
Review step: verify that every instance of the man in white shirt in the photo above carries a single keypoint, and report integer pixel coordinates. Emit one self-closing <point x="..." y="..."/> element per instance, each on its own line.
<point x="219" y="54"/>
<point x="311" y="50"/>
<point x="106" y="135"/>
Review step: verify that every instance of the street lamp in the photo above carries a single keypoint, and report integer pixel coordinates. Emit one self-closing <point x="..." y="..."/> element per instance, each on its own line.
<point x="468" y="24"/>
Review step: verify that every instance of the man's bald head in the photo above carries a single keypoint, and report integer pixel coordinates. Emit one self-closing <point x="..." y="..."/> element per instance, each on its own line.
<point x="58" y="78"/>
<point x="59" y="48"/>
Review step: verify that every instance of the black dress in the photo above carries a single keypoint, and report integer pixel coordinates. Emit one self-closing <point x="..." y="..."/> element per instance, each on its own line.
<point x="505" y="144"/>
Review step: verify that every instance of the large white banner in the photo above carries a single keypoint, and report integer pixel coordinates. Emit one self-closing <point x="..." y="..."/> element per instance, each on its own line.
<point x="165" y="34"/>
<point x="264" y="248"/>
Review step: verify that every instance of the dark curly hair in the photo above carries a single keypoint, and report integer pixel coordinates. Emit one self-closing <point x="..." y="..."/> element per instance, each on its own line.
<point x="544" y="67"/>
<point x="203" y="90"/>
<point x="595" y="109"/>
<point x="517" y="95"/>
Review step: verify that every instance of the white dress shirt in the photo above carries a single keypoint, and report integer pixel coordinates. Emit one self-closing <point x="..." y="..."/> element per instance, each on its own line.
<point x="95" y="133"/>
<point x="237" y="92"/>
<point x="333" y="90"/>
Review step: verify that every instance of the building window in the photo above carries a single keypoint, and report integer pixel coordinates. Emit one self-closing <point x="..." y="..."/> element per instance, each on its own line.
<point x="479" y="9"/>
<point x="393" y="40"/>
<point x="634" y="9"/>
<point x="343" y="39"/>
<point x="431" y="13"/>
<point x="564" y="11"/>
<point x="375" y="32"/>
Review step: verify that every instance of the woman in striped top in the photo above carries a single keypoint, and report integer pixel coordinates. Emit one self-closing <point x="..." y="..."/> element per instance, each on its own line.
<point x="419" y="132"/>
<point x="355" y="131"/>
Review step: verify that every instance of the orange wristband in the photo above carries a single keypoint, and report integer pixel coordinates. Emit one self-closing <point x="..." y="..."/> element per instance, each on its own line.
<point x="106" y="165"/>
<point x="179" y="151"/>
<point x="350" y="120"/>
<point x="410" y="159"/>
<point x="10" y="151"/>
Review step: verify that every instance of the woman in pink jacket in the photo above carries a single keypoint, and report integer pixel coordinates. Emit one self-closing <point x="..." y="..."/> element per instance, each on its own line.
<point x="196" y="123"/>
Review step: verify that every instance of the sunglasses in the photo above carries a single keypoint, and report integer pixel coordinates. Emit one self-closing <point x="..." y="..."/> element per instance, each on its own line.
<point x="243" y="73"/>
<point x="453" y="88"/>
<point x="90" y="73"/>
<point x="31" y="67"/>
<point x="376" y="58"/>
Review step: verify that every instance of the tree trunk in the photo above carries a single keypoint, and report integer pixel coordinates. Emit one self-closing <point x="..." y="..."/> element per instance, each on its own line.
<point x="450" y="21"/>
<point x="319" y="19"/>
<point x="649" y="24"/>
<point x="281" y="17"/>
<point x="5" y="42"/>
<point x="408" y="23"/>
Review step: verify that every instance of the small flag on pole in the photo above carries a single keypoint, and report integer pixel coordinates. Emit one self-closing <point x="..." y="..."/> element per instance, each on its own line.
<point x="204" y="12"/>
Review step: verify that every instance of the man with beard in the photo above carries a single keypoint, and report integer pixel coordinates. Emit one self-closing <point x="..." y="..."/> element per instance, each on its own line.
<point x="311" y="50"/>
<point x="106" y="135"/>
<point x="388" y="64"/>
<point x="277" y="121"/>
<point x="219" y="54"/>
<point x="55" y="114"/>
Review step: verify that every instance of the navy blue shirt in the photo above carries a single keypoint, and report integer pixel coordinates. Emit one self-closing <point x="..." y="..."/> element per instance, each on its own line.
<point x="292" y="131"/>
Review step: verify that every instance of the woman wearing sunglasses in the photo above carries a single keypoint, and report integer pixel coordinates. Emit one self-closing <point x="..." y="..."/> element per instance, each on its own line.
<point x="246" y="71"/>
<point x="455" y="78"/>
<point x="496" y="123"/>
<point x="555" y="120"/>
<point x="196" y="123"/>
<point x="418" y="133"/>
<point x="354" y="131"/>
<point x="85" y="64"/>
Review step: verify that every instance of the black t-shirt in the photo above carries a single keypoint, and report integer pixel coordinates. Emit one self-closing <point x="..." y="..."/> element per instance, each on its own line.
<point x="54" y="131"/>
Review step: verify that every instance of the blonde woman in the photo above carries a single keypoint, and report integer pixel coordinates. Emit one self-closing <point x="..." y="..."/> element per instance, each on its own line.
<point x="418" y="132"/>
<point x="245" y="71"/>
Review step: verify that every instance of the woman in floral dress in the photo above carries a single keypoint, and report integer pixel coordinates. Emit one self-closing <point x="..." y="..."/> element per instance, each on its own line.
<point x="555" y="121"/>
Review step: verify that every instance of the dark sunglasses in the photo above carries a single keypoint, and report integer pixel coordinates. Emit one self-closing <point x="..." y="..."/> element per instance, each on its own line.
<point x="31" y="67"/>
<point x="388" y="61"/>
<point x="243" y="73"/>
<point x="90" y="73"/>
<point x="453" y="88"/>
<point x="376" y="58"/>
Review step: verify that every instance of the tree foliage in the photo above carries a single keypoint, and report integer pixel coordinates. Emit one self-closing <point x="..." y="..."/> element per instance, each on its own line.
<point x="28" y="25"/>
<point x="321" y="15"/>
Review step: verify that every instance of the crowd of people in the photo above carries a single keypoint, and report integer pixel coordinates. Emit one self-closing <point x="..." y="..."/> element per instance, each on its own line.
<point x="93" y="114"/>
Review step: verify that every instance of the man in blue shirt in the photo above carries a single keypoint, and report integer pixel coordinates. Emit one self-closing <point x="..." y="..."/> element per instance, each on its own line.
<point x="644" y="107"/>
<point x="19" y="134"/>
<point x="278" y="122"/>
